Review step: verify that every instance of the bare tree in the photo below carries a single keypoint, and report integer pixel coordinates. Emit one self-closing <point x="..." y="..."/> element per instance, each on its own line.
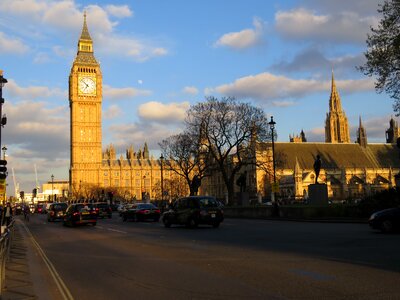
<point x="227" y="130"/>
<point x="185" y="158"/>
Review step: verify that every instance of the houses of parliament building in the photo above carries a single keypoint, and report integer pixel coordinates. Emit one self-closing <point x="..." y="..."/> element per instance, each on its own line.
<point x="350" y="170"/>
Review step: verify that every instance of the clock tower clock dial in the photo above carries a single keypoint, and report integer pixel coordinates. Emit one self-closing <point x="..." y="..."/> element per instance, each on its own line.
<point x="87" y="85"/>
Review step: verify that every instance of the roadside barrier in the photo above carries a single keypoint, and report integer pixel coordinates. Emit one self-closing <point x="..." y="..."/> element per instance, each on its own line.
<point x="5" y="242"/>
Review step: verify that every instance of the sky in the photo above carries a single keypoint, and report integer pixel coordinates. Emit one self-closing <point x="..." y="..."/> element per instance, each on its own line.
<point x="160" y="57"/>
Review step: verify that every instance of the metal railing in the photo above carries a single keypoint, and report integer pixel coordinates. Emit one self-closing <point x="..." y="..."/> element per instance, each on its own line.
<point x="5" y="242"/>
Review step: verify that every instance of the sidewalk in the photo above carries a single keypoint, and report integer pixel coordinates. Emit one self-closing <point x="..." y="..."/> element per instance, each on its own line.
<point x="27" y="276"/>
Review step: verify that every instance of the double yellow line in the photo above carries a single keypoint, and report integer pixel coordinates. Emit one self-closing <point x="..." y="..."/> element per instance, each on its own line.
<point x="64" y="291"/>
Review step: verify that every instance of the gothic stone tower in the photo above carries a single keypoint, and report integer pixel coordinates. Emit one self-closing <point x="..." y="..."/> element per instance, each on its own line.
<point x="85" y="97"/>
<point x="336" y="125"/>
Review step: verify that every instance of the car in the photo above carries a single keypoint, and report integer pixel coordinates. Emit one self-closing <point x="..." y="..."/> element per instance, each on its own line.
<point x="141" y="212"/>
<point x="387" y="220"/>
<point x="125" y="207"/>
<point x="80" y="214"/>
<point x="103" y="209"/>
<point x="56" y="211"/>
<point x="39" y="209"/>
<point x="193" y="211"/>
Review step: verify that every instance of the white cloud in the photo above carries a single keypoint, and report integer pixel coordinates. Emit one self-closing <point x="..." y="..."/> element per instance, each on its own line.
<point x="283" y="103"/>
<point x="63" y="17"/>
<point x="41" y="58"/>
<point x="160" y="112"/>
<point x="123" y="93"/>
<point x="242" y="39"/>
<point x="32" y="92"/>
<point x="119" y="11"/>
<point x="303" y="24"/>
<point x="112" y="112"/>
<point x="11" y="45"/>
<point x="266" y="86"/>
<point x="23" y="7"/>
<point x="191" y="90"/>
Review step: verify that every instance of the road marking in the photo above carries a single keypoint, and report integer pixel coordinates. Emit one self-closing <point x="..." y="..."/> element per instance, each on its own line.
<point x="66" y="294"/>
<point x="115" y="230"/>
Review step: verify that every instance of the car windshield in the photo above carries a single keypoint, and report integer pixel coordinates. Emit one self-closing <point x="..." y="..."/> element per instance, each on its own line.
<point x="208" y="202"/>
<point x="84" y="207"/>
<point x="60" y="206"/>
<point x="102" y="205"/>
<point x="146" y="206"/>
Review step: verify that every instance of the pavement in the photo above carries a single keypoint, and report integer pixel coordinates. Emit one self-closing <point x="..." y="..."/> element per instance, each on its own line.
<point x="27" y="276"/>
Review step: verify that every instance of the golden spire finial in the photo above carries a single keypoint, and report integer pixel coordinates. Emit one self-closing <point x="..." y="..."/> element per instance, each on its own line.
<point x="85" y="32"/>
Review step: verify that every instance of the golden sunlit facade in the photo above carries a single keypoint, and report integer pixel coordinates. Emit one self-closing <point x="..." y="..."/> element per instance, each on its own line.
<point x="134" y="175"/>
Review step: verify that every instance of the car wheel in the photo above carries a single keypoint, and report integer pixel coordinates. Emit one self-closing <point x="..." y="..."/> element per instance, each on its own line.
<point x="192" y="223"/>
<point x="215" y="225"/>
<point x="386" y="226"/>
<point x="166" y="222"/>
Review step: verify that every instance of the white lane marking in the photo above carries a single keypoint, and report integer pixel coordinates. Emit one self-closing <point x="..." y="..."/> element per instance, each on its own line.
<point x="115" y="230"/>
<point x="66" y="294"/>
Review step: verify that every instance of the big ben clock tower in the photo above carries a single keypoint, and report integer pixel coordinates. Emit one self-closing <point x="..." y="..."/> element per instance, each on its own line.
<point x="85" y="97"/>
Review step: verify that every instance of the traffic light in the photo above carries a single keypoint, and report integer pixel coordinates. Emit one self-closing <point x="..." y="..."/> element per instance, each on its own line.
<point x="3" y="169"/>
<point x="22" y="194"/>
<point x="34" y="192"/>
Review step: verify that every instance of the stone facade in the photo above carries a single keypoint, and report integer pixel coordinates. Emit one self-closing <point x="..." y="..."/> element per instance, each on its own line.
<point x="135" y="175"/>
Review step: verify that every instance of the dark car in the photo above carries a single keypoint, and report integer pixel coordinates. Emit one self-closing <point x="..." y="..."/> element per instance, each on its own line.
<point x="103" y="209"/>
<point x="79" y="214"/>
<point x="194" y="210"/>
<point x="386" y="220"/>
<point x="141" y="212"/>
<point x="39" y="209"/>
<point x="56" y="211"/>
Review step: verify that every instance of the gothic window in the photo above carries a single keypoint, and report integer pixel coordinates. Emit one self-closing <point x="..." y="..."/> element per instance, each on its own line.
<point x="116" y="182"/>
<point x="105" y="182"/>
<point x="90" y="135"/>
<point x="147" y="182"/>
<point x="82" y="114"/>
<point x="92" y="155"/>
<point x="82" y="135"/>
<point x="137" y="173"/>
<point x="127" y="183"/>
<point x="137" y="182"/>
<point x="117" y="173"/>
<point x="105" y="173"/>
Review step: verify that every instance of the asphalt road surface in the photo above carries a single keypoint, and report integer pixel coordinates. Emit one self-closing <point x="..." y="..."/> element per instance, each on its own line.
<point x="243" y="259"/>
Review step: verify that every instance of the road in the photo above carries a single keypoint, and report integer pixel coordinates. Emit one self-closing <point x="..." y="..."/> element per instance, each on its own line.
<point x="243" y="259"/>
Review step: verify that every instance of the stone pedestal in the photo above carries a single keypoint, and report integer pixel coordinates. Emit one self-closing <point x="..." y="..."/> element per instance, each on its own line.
<point x="318" y="194"/>
<point x="243" y="198"/>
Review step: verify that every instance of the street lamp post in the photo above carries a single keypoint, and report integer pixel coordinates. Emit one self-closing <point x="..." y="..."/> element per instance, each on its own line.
<point x="162" y="178"/>
<point x="4" y="152"/>
<point x="3" y="81"/>
<point x="272" y="126"/>
<point x="52" y="187"/>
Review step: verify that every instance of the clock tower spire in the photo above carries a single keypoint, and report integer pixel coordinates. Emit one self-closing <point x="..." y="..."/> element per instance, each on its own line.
<point x="85" y="100"/>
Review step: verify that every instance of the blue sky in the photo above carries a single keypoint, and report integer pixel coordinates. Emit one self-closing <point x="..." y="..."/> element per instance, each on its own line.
<point x="159" y="57"/>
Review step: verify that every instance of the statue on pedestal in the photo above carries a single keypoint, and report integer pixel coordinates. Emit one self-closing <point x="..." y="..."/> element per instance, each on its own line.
<point x="317" y="168"/>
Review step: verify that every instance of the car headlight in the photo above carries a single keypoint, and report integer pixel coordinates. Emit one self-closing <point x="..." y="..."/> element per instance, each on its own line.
<point x="373" y="216"/>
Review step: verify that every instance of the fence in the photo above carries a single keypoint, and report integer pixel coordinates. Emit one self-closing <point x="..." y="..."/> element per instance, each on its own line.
<point x="5" y="242"/>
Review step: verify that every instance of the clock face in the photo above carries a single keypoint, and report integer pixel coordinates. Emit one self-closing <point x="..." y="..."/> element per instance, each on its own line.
<point x="87" y="85"/>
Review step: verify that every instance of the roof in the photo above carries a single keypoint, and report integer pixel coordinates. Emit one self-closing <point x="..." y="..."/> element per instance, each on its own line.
<point x="337" y="156"/>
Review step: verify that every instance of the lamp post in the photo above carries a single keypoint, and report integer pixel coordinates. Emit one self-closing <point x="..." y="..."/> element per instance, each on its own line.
<point x="3" y="81"/>
<point x="4" y="152"/>
<point x="52" y="187"/>
<point x="272" y="126"/>
<point x="162" y="178"/>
